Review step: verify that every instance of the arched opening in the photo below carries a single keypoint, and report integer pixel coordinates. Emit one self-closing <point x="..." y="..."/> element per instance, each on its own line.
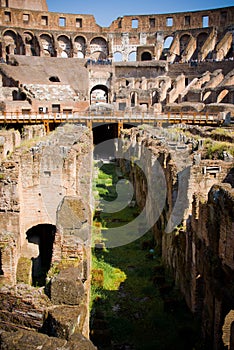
<point x="43" y="236"/>
<point x="133" y="99"/>
<point x="64" y="46"/>
<point x="155" y="97"/>
<point x="98" y="48"/>
<point x="117" y="57"/>
<point x="47" y="45"/>
<point x="201" y="38"/>
<point x="184" y="40"/>
<point x="146" y="56"/>
<point x="132" y="56"/>
<point x="10" y="40"/>
<point x="79" y="47"/>
<point x="166" y="47"/>
<point x="222" y="97"/>
<point x="99" y="94"/>
<point x="103" y="132"/>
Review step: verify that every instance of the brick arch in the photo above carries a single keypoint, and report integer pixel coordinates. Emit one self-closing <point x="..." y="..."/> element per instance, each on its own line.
<point x="201" y="38"/>
<point x="79" y="44"/>
<point x="47" y="44"/>
<point x="64" y="46"/>
<point x="118" y="56"/>
<point x="11" y="41"/>
<point x="132" y="55"/>
<point x="9" y="30"/>
<point x="98" y="47"/>
<point x="103" y="95"/>
<point x="146" y="56"/>
<point x="184" y="40"/>
<point x="32" y="47"/>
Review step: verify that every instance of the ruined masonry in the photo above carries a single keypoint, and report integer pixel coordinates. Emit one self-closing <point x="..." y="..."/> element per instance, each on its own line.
<point x="66" y="63"/>
<point x="45" y="211"/>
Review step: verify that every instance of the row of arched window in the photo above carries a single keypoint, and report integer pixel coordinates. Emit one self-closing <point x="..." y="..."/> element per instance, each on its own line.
<point x="97" y="48"/>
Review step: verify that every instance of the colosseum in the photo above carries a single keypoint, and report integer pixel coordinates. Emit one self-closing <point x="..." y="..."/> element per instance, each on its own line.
<point x="161" y="86"/>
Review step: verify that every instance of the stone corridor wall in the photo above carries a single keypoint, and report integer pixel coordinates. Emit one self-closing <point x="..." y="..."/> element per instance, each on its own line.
<point x="46" y="180"/>
<point x="195" y="228"/>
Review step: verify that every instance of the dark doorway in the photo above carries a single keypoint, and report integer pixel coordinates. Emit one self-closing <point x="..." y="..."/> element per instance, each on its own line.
<point x="103" y="132"/>
<point x="43" y="235"/>
<point x="146" y="56"/>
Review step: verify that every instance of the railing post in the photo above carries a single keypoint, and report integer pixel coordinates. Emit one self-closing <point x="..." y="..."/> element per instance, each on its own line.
<point x="120" y="127"/>
<point x="89" y="124"/>
<point x="46" y="125"/>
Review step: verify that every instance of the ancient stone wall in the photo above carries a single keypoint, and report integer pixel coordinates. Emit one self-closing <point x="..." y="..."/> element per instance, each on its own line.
<point x="68" y="35"/>
<point x="46" y="215"/>
<point x="195" y="227"/>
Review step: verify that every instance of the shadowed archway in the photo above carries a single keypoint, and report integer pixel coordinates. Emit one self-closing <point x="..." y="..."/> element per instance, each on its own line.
<point x="42" y="235"/>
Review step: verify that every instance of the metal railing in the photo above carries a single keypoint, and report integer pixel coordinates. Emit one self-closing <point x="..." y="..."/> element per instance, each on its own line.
<point x="112" y="116"/>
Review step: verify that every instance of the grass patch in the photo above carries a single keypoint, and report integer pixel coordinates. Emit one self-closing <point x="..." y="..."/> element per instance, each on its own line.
<point x="215" y="149"/>
<point x="124" y="289"/>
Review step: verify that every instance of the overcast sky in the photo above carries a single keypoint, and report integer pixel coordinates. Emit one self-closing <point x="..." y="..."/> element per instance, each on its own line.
<point x="106" y="11"/>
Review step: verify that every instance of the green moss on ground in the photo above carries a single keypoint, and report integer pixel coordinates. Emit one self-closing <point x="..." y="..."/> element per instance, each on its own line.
<point x="126" y="287"/>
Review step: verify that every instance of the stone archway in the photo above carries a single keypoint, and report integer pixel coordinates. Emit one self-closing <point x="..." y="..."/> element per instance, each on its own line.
<point x="99" y="94"/>
<point x="40" y="240"/>
<point x="47" y="45"/>
<point x="98" y="48"/>
<point x="64" y="44"/>
<point x="146" y="56"/>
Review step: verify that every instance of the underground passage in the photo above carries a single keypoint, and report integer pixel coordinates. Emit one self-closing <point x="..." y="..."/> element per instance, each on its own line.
<point x="134" y="302"/>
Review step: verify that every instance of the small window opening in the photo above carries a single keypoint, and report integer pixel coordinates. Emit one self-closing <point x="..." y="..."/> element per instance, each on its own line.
<point x="223" y="17"/>
<point x="134" y="23"/>
<point x="205" y="21"/>
<point x="169" y="22"/>
<point x="78" y="22"/>
<point x="26" y="17"/>
<point x="55" y="108"/>
<point x="44" y="20"/>
<point x="7" y="16"/>
<point x="62" y="21"/>
<point x="187" y="20"/>
<point x="152" y="22"/>
<point x="54" y="79"/>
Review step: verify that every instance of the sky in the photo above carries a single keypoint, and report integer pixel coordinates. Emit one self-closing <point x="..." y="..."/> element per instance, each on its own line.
<point x="106" y="11"/>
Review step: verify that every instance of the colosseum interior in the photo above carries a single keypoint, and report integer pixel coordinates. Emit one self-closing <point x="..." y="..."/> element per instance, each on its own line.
<point x="161" y="86"/>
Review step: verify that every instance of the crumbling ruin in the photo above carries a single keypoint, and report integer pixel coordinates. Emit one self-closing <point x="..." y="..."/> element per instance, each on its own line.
<point x="55" y="65"/>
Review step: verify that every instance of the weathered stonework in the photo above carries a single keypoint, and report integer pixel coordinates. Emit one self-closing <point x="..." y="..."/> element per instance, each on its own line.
<point x="45" y="211"/>
<point x="170" y="62"/>
<point x="195" y="229"/>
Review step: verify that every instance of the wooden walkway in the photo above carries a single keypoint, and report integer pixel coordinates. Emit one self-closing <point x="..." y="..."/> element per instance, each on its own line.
<point x="119" y="117"/>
